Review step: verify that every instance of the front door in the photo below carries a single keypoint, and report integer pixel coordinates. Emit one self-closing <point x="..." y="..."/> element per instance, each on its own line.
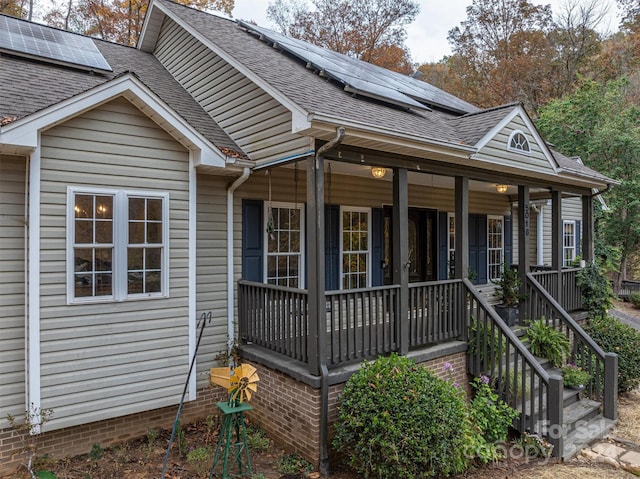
<point x="423" y="236"/>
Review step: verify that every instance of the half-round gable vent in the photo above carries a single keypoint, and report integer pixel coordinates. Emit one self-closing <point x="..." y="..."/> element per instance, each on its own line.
<point x="519" y="142"/>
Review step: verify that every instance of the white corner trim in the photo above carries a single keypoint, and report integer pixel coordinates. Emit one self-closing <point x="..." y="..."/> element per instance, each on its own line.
<point x="193" y="323"/>
<point x="25" y="132"/>
<point x="33" y="399"/>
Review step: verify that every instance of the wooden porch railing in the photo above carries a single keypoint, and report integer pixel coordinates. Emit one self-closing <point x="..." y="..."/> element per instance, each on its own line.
<point x="517" y="376"/>
<point x="571" y="295"/>
<point x="585" y="352"/>
<point x="435" y="312"/>
<point x="274" y="317"/>
<point x="361" y="323"/>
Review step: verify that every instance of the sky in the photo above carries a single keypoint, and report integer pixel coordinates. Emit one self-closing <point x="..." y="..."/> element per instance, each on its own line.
<point x="427" y="35"/>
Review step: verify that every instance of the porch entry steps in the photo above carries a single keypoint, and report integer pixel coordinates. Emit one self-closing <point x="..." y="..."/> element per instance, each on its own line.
<point x="582" y="422"/>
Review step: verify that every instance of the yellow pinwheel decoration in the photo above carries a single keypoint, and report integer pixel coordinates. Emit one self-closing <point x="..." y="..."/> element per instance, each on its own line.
<point x="241" y="383"/>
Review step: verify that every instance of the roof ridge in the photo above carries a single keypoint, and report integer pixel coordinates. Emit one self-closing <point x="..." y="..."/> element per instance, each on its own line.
<point x="488" y="110"/>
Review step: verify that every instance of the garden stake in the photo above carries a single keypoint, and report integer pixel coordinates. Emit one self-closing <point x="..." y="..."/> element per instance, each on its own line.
<point x="205" y="317"/>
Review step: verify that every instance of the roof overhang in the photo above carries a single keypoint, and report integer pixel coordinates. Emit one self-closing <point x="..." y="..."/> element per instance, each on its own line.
<point x="21" y="136"/>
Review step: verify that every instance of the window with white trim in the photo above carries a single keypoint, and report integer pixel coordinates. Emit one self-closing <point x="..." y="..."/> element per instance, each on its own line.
<point x="116" y="245"/>
<point x="518" y="142"/>
<point x="355" y="247"/>
<point x="285" y="240"/>
<point x="569" y="242"/>
<point x="451" y="245"/>
<point x="495" y="243"/>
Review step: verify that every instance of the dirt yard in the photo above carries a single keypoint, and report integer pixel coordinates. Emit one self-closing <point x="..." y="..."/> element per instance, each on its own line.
<point x="143" y="458"/>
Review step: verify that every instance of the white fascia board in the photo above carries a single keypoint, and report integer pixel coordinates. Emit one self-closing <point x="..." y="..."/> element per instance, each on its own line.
<point x="518" y="110"/>
<point x="24" y="133"/>
<point x="299" y="120"/>
<point x="153" y="18"/>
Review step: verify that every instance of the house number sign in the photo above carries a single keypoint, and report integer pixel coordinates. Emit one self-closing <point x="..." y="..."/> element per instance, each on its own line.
<point x="526" y="219"/>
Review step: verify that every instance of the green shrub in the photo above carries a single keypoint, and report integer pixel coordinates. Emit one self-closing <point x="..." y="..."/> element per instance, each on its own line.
<point x="616" y="337"/>
<point x="546" y="341"/>
<point x="257" y="440"/>
<point x="397" y="419"/>
<point x="597" y="293"/>
<point x="488" y="413"/>
<point x="294" y="464"/>
<point x="634" y="298"/>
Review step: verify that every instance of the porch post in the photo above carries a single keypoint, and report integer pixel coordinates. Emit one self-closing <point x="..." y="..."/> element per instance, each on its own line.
<point x="588" y="251"/>
<point x="557" y="240"/>
<point x="317" y="313"/>
<point x="461" y="262"/>
<point x="524" y="216"/>
<point x="400" y="230"/>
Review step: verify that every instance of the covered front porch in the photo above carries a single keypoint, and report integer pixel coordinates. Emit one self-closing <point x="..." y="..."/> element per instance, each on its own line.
<point x="381" y="305"/>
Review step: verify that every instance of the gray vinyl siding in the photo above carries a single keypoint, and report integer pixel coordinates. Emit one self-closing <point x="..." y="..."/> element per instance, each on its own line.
<point x="211" y="271"/>
<point x="253" y="119"/>
<point x="12" y="287"/>
<point x="109" y="359"/>
<point x="571" y="210"/>
<point x="497" y="151"/>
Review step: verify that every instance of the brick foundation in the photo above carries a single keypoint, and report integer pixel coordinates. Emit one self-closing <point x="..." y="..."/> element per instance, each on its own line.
<point x="289" y="410"/>
<point x="79" y="439"/>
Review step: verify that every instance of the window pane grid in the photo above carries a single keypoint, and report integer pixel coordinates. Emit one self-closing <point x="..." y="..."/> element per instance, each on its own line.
<point x="284" y="248"/>
<point x="569" y="243"/>
<point x="355" y="248"/>
<point x="145" y="245"/>
<point x="93" y="245"/>
<point x="495" y="247"/>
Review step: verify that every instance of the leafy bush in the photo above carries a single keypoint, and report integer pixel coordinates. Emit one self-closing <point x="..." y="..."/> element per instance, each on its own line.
<point x="546" y="341"/>
<point x="597" y="294"/>
<point x="574" y="375"/>
<point x="397" y="419"/>
<point x="614" y="336"/>
<point x="488" y="413"/>
<point x="634" y="298"/>
<point x="294" y="464"/>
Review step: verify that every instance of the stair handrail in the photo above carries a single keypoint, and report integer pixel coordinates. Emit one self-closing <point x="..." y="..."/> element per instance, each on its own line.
<point x="506" y="330"/>
<point x="566" y="318"/>
<point x="549" y="412"/>
<point x="609" y="389"/>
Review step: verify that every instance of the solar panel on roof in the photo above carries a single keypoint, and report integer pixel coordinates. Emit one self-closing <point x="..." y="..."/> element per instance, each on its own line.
<point x="39" y="41"/>
<point x="365" y="78"/>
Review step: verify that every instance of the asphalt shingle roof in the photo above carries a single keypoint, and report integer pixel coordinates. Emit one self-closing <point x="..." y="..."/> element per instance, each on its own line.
<point x="29" y="86"/>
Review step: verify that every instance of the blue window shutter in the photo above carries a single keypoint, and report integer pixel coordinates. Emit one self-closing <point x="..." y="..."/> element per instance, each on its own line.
<point x="443" y="250"/>
<point x="252" y="240"/>
<point x="482" y="250"/>
<point x="377" y="247"/>
<point x="578" y="239"/>
<point x="473" y="248"/>
<point x="508" y="239"/>
<point x="332" y="247"/>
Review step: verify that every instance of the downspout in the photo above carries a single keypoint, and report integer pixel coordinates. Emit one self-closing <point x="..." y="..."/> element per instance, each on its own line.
<point x="230" y="276"/>
<point x="324" y="371"/>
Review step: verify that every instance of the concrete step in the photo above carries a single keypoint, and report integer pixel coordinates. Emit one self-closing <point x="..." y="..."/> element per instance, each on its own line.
<point x="585" y="434"/>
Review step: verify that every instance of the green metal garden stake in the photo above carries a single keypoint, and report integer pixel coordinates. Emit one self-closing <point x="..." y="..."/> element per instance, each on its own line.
<point x="233" y="438"/>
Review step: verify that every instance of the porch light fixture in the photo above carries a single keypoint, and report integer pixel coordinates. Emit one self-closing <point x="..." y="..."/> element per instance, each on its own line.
<point x="378" y="172"/>
<point x="501" y="188"/>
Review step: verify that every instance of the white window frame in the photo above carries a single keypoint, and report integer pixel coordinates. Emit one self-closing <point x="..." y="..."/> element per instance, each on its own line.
<point x="356" y="209"/>
<point x="301" y="254"/>
<point x="565" y="263"/>
<point x="489" y="249"/>
<point x="120" y="244"/>
<point x="519" y="150"/>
